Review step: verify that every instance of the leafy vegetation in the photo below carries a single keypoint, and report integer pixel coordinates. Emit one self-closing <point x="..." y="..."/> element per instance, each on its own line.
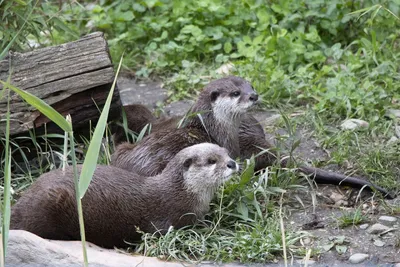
<point x="352" y="218"/>
<point x="332" y="60"/>
<point x="243" y="225"/>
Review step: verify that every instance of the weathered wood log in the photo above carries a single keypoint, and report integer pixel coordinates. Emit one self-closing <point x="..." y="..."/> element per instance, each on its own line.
<point x="74" y="78"/>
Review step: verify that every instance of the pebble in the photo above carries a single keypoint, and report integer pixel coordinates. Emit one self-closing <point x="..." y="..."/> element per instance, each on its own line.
<point x="387" y="220"/>
<point x="392" y="140"/>
<point x="352" y="124"/>
<point x="358" y="257"/>
<point x="304" y="262"/>
<point x="397" y="131"/>
<point x="273" y="120"/>
<point x="306" y="241"/>
<point x="393" y="112"/>
<point x="226" y="68"/>
<point x="397" y="265"/>
<point x="379" y="243"/>
<point x="336" y="197"/>
<point x="364" y="226"/>
<point x="377" y="228"/>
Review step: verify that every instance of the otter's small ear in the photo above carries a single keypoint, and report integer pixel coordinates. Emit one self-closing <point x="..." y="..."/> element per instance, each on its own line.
<point x="187" y="163"/>
<point x="214" y="96"/>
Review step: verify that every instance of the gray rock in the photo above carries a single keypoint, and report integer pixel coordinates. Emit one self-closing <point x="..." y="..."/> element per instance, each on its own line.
<point x="27" y="249"/>
<point x="358" y="257"/>
<point x="226" y="68"/>
<point x="364" y="226"/>
<point x="352" y="124"/>
<point x="393" y="112"/>
<point x="379" y="243"/>
<point x="178" y="108"/>
<point x="148" y="94"/>
<point x="377" y="228"/>
<point x="397" y="131"/>
<point x="387" y="220"/>
<point x="304" y="262"/>
<point x="273" y="119"/>
<point x="24" y="247"/>
<point x="392" y="140"/>
<point x="336" y="197"/>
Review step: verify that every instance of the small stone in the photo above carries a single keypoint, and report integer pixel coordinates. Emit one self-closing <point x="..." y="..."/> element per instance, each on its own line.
<point x="306" y="241"/>
<point x="352" y="124"/>
<point x="358" y="257"/>
<point x="364" y="226"/>
<point x="273" y="120"/>
<point x="377" y="228"/>
<point x="387" y="220"/>
<point x="342" y="203"/>
<point x="397" y="131"/>
<point x="397" y="265"/>
<point x="226" y="68"/>
<point x="336" y="197"/>
<point x="379" y="243"/>
<point x="392" y="140"/>
<point x="393" y="113"/>
<point x="304" y="262"/>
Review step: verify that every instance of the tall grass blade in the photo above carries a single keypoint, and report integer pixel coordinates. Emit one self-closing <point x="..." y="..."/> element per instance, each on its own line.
<point x="7" y="186"/>
<point x="78" y="199"/>
<point x="42" y="106"/>
<point x="92" y="155"/>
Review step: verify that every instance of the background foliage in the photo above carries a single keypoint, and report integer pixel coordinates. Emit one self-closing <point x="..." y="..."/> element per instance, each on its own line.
<point x="316" y="52"/>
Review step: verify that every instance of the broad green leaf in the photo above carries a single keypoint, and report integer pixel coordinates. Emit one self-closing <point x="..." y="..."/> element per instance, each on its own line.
<point x="126" y="16"/>
<point x="248" y="173"/>
<point x="91" y="157"/>
<point x="42" y="106"/>
<point x="227" y="47"/>
<point x="242" y="209"/>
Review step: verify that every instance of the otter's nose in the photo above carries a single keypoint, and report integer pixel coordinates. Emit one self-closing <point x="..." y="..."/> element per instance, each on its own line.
<point x="253" y="97"/>
<point x="231" y="164"/>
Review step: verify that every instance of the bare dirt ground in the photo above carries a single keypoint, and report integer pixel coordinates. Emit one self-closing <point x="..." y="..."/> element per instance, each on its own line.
<point x="333" y="245"/>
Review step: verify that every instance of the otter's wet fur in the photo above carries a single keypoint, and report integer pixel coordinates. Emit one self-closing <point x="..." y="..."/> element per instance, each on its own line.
<point x="118" y="201"/>
<point x="251" y="138"/>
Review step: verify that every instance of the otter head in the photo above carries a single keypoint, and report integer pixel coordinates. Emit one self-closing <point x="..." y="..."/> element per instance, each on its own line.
<point x="230" y="96"/>
<point x="203" y="168"/>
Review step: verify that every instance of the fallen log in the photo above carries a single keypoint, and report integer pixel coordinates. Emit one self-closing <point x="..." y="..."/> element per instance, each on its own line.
<point x="74" y="78"/>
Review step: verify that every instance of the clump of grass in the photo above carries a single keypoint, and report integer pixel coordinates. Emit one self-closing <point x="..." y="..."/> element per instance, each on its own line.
<point x="243" y="225"/>
<point x="352" y="218"/>
<point x="364" y="153"/>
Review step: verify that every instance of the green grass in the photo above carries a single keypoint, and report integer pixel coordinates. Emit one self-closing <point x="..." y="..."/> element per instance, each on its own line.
<point x="243" y="225"/>
<point x="352" y="218"/>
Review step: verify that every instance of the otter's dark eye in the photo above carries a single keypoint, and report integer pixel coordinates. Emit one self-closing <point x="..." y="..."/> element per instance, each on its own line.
<point x="235" y="94"/>
<point x="187" y="163"/>
<point x="211" y="161"/>
<point x="214" y="96"/>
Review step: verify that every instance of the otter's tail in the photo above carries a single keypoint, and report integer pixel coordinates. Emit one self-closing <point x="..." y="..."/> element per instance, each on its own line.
<point x="325" y="177"/>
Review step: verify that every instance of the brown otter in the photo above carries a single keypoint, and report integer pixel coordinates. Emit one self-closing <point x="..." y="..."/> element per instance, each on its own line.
<point x="117" y="201"/>
<point x="218" y="113"/>
<point x="155" y="150"/>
